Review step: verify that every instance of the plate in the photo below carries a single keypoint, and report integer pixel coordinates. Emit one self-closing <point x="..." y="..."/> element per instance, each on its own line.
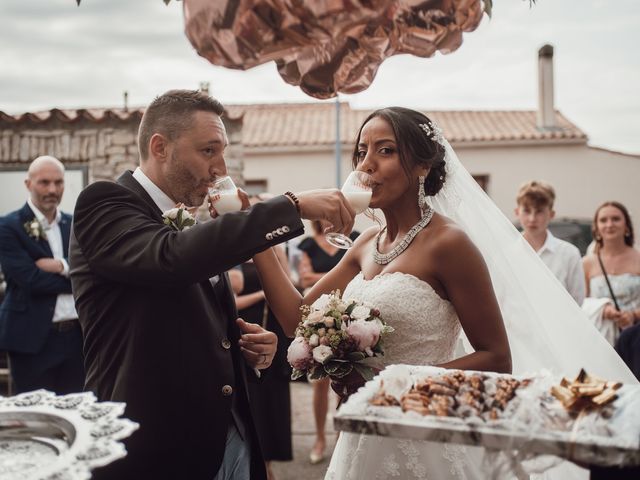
<point x="44" y="436"/>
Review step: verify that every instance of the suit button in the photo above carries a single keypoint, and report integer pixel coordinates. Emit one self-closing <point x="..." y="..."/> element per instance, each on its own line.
<point x="286" y="229"/>
<point x="227" y="390"/>
<point x="269" y="236"/>
<point x="279" y="231"/>
<point x="226" y="344"/>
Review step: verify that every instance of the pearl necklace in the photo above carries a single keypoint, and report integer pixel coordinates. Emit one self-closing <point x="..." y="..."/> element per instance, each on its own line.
<point x="384" y="258"/>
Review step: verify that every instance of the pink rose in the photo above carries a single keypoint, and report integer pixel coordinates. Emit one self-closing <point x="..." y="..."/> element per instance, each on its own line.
<point x="365" y="333"/>
<point x="299" y="354"/>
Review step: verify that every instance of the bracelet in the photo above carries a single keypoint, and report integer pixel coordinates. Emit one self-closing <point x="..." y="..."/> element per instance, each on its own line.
<point x="294" y="199"/>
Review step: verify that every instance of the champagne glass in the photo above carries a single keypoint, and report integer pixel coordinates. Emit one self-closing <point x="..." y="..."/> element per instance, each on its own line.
<point x="224" y="196"/>
<point x="357" y="189"/>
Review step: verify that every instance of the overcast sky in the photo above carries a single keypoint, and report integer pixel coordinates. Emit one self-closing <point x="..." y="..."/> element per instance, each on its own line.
<point x="54" y="54"/>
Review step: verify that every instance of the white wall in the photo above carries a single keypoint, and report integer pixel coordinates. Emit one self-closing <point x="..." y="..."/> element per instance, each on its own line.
<point x="13" y="193"/>
<point x="583" y="177"/>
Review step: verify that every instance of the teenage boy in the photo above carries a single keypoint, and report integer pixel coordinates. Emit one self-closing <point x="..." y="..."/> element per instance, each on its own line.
<point x="535" y="210"/>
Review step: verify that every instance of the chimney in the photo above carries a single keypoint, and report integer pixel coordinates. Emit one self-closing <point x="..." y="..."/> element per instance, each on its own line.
<point x="546" y="109"/>
<point x="126" y="101"/>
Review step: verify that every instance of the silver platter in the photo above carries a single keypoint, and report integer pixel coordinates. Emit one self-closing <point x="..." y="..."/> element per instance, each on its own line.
<point x="47" y="437"/>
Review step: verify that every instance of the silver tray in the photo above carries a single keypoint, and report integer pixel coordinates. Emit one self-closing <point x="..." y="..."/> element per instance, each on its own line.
<point x="621" y="448"/>
<point x="47" y="437"/>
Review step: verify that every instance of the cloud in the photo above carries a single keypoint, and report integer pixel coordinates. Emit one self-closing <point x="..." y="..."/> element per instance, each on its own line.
<point x="55" y="54"/>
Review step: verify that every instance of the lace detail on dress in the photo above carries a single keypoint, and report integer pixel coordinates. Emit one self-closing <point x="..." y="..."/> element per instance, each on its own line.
<point x="390" y="467"/>
<point x="412" y="454"/>
<point x="426" y="326"/>
<point x="456" y="457"/>
<point x="426" y="332"/>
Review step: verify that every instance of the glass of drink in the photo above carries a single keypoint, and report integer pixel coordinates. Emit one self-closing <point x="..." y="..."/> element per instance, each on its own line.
<point x="357" y="189"/>
<point x="224" y="196"/>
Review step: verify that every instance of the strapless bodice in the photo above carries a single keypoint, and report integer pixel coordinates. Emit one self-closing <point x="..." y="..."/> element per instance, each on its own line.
<point x="426" y="326"/>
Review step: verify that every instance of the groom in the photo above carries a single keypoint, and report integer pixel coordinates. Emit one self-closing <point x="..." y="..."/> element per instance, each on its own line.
<point x="158" y="334"/>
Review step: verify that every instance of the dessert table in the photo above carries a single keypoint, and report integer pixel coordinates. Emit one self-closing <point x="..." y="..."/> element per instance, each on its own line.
<point x="534" y="422"/>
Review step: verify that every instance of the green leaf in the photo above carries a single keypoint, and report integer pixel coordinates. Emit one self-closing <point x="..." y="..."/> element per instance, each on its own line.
<point x="296" y="374"/>
<point x="316" y="373"/>
<point x="356" y="356"/>
<point x="338" y="370"/>
<point x="365" y="372"/>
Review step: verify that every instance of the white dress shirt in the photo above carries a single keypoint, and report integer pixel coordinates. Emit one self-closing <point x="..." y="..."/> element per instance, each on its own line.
<point x="160" y="198"/>
<point x="65" y="305"/>
<point x="564" y="260"/>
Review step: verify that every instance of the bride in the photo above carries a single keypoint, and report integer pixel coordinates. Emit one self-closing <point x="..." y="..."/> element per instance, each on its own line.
<point x="426" y="273"/>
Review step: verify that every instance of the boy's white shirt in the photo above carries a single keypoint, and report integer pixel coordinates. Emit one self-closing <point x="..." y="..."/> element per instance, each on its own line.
<point x="564" y="260"/>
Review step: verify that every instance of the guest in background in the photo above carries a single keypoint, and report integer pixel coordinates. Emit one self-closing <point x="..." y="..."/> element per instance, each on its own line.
<point x="318" y="257"/>
<point x="534" y="211"/>
<point x="38" y="320"/>
<point x="612" y="273"/>
<point x="270" y="399"/>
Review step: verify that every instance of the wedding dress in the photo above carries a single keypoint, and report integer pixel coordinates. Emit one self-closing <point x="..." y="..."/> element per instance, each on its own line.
<point x="426" y="332"/>
<point x="545" y="327"/>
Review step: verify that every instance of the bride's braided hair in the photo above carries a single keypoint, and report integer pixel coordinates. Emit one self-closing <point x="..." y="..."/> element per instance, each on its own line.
<point x="417" y="140"/>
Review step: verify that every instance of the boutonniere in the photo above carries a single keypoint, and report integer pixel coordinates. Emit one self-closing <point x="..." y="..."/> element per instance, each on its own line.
<point x="179" y="218"/>
<point x="35" y="229"/>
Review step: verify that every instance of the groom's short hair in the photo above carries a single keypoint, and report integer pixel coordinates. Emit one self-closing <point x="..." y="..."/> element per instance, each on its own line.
<point x="171" y="113"/>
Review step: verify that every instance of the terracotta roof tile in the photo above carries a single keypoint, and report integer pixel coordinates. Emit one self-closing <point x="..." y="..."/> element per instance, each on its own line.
<point x="313" y="124"/>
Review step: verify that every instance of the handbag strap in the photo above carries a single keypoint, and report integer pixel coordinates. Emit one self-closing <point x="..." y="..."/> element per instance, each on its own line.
<point x="606" y="277"/>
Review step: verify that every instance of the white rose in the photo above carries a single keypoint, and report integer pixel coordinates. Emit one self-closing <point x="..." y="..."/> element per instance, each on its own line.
<point x="322" y="353"/>
<point x="172" y="214"/>
<point x="314" y="340"/>
<point x="329" y="322"/>
<point x="321" y="303"/>
<point x="313" y="318"/>
<point x="360" y="313"/>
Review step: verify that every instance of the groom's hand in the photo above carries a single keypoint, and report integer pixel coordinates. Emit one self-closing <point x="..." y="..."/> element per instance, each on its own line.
<point x="329" y="205"/>
<point x="244" y="198"/>
<point x="257" y="344"/>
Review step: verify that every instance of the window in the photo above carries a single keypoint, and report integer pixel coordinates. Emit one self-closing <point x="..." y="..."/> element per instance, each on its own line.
<point x="483" y="181"/>
<point x="254" y="187"/>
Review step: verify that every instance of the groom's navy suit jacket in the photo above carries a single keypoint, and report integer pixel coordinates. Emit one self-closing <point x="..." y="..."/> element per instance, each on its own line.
<point x="157" y="334"/>
<point x="27" y="310"/>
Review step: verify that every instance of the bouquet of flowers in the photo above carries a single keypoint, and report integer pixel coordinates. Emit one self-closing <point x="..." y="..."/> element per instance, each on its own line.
<point x="334" y="339"/>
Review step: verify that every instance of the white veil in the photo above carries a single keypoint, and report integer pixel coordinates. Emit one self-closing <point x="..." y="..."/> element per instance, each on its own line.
<point x="546" y="328"/>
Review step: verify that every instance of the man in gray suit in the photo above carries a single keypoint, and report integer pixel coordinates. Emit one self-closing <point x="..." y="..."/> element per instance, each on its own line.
<point x="158" y="335"/>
